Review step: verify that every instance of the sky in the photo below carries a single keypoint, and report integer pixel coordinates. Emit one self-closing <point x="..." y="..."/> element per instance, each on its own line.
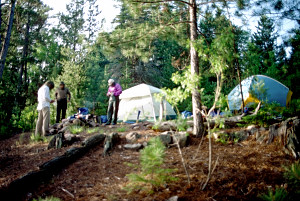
<point x="108" y="10"/>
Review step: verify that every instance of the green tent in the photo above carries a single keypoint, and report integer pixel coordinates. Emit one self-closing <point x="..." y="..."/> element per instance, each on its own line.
<point x="256" y="88"/>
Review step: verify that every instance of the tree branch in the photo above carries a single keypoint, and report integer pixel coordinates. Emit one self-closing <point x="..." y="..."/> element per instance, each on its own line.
<point x="162" y="1"/>
<point x="215" y="1"/>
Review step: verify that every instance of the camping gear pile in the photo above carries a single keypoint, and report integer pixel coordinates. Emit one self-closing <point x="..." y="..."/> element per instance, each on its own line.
<point x="61" y="131"/>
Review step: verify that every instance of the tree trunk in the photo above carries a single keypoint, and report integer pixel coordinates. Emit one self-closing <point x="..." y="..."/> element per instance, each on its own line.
<point x="23" y="67"/>
<point x="0" y="20"/>
<point x="4" y="48"/>
<point x="196" y="98"/>
<point x="240" y="83"/>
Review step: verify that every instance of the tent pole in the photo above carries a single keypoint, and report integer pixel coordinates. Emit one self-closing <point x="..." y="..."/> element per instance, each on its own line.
<point x="153" y="107"/>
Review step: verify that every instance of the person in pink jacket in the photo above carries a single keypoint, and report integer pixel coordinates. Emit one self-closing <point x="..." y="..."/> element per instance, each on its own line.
<point x="114" y="91"/>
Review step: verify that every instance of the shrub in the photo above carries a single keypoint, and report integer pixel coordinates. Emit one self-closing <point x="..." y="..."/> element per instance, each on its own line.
<point x="181" y="124"/>
<point x="292" y="110"/>
<point x="292" y="174"/>
<point x="280" y="194"/>
<point x="47" y="199"/>
<point x="265" y="116"/>
<point x="226" y="138"/>
<point x="152" y="175"/>
<point x="156" y="125"/>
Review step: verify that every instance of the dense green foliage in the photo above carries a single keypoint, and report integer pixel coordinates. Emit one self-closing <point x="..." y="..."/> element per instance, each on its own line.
<point x="146" y="46"/>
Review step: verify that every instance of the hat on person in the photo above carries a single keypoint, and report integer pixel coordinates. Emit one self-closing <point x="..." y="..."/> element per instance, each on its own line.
<point x="62" y="83"/>
<point x="111" y="82"/>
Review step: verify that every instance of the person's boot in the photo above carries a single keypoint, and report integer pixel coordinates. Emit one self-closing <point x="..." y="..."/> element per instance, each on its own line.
<point x="107" y="123"/>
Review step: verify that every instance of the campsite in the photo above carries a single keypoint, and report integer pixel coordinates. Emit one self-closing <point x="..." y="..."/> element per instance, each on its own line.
<point x="165" y="100"/>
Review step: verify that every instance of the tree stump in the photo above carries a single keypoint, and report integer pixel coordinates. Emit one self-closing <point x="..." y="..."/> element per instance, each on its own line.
<point x="287" y="135"/>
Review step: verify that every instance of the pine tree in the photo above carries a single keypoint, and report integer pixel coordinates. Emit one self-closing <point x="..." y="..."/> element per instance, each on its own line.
<point x="293" y="72"/>
<point x="264" y="41"/>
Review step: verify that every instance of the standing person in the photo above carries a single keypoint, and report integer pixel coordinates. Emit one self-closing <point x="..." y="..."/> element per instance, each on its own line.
<point x="114" y="91"/>
<point x="44" y="100"/>
<point x="63" y="96"/>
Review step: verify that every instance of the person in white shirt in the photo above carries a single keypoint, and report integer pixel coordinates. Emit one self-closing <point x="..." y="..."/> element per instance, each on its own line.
<point x="44" y="100"/>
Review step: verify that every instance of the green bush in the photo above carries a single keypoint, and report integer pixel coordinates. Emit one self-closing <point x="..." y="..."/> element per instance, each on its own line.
<point x="280" y="194"/>
<point x="27" y="119"/>
<point x="152" y="175"/>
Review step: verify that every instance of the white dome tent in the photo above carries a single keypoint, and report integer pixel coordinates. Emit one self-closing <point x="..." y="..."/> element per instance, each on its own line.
<point x="138" y="102"/>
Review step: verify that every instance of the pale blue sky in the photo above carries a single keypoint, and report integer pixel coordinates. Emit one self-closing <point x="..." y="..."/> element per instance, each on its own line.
<point x="107" y="7"/>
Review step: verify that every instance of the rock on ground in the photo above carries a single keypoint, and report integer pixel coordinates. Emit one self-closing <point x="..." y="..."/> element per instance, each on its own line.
<point x="173" y="198"/>
<point x="181" y="137"/>
<point x="78" y="122"/>
<point x="132" y="137"/>
<point x="134" y="147"/>
<point x="166" y="138"/>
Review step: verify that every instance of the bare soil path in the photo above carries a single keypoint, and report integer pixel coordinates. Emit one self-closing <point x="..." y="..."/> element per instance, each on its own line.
<point x="244" y="171"/>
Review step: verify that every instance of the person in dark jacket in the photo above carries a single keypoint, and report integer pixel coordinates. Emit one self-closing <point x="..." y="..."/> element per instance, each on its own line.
<point x="63" y="96"/>
<point x="114" y="91"/>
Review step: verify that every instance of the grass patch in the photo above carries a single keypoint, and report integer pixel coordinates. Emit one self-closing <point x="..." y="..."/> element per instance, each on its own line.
<point x="37" y="138"/>
<point x="21" y="139"/>
<point x="76" y="129"/>
<point x="122" y="129"/>
<point x="92" y="130"/>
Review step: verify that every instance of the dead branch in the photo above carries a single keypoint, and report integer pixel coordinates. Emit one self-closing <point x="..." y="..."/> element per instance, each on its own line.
<point x="257" y="108"/>
<point x="182" y="159"/>
<point x="209" y="175"/>
<point x="68" y="192"/>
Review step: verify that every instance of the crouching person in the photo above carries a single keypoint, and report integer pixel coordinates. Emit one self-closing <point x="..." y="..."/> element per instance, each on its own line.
<point x="44" y="100"/>
<point x="114" y="91"/>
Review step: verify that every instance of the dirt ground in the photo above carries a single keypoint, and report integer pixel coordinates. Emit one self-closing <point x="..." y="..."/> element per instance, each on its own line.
<point x="244" y="170"/>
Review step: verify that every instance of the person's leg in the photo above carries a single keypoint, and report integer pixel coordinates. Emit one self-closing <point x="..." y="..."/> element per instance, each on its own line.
<point x="58" y="111"/>
<point x="46" y="120"/>
<point x="110" y="111"/>
<point x="116" y="109"/>
<point x="39" y="124"/>
<point x="64" y="108"/>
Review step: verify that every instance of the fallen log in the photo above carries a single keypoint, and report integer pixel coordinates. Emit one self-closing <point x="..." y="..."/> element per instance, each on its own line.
<point x="18" y="188"/>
